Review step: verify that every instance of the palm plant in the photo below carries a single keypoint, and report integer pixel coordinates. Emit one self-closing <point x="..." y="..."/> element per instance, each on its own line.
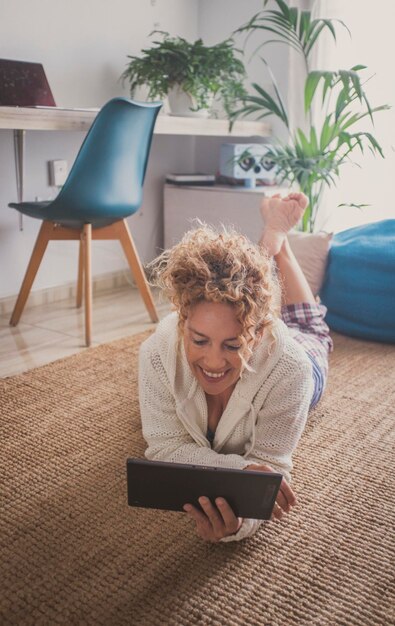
<point x="312" y="159"/>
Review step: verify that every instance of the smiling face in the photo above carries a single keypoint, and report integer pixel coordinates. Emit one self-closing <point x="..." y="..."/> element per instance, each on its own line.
<point x="212" y="345"/>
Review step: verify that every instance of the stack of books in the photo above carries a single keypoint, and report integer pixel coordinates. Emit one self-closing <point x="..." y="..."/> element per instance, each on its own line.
<point x="191" y="179"/>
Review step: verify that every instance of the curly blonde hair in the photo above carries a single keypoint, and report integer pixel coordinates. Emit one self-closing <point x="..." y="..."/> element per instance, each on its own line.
<point x="225" y="266"/>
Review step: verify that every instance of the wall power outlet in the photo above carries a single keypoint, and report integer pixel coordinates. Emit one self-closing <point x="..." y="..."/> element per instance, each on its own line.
<point x="57" y="173"/>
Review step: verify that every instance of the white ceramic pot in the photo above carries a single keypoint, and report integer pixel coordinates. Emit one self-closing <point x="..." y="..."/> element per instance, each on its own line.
<point x="182" y="104"/>
<point x="141" y="95"/>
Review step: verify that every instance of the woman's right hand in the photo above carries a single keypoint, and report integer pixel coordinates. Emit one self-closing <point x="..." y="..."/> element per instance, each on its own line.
<point x="213" y="522"/>
<point x="286" y="498"/>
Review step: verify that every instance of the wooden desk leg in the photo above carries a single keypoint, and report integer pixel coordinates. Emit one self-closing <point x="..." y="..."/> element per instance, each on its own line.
<point x="80" y="281"/>
<point x="38" y="252"/>
<point x="19" y="150"/>
<point x="136" y="268"/>
<point x="87" y="235"/>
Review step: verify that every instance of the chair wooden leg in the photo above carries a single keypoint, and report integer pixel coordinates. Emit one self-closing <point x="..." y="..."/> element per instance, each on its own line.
<point x="80" y="281"/>
<point x="34" y="263"/>
<point x="136" y="268"/>
<point x="87" y="245"/>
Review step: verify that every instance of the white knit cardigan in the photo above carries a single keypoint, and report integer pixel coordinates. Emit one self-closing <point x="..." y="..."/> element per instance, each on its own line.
<point x="262" y="422"/>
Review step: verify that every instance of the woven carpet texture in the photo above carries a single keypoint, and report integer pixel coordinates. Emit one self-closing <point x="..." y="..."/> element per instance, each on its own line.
<point x="73" y="552"/>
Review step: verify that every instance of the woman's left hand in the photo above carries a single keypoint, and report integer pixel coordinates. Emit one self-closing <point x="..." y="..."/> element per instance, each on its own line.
<point x="214" y="522"/>
<point x="286" y="498"/>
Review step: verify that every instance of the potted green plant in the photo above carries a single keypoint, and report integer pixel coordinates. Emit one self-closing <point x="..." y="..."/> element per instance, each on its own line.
<point x="315" y="152"/>
<point x="196" y="73"/>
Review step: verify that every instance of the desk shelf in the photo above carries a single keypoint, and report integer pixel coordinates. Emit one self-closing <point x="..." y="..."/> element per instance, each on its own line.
<point x="21" y="118"/>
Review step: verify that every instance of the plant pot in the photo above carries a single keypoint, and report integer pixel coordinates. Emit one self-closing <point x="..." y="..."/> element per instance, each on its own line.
<point x="141" y="95"/>
<point x="182" y="104"/>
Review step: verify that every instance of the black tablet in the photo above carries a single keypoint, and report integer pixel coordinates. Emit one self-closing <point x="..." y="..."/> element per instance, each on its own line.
<point x="160" y="485"/>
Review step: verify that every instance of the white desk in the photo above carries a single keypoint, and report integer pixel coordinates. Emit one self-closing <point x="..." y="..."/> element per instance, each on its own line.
<point x="21" y="119"/>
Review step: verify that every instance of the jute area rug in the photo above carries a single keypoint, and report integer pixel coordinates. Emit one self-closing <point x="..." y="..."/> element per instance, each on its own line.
<point x="72" y="552"/>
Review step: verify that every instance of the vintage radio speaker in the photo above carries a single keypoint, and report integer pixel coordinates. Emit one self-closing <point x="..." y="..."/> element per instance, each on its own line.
<point x="248" y="162"/>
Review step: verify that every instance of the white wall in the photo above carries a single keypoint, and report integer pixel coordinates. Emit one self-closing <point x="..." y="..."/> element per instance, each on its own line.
<point x="83" y="45"/>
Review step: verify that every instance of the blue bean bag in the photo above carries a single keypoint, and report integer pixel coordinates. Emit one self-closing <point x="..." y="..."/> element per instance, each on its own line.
<point x="359" y="285"/>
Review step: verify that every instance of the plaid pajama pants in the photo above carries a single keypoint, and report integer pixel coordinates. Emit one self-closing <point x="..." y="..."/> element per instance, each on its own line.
<point x="307" y="327"/>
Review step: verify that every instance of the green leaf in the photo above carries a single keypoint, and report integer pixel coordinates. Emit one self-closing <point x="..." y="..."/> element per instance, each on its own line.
<point x="374" y="143"/>
<point x="304" y="25"/>
<point x="352" y="204"/>
<point x="281" y="104"/>
<point x="311" y="84"/>
<point x="316" y="28"/>
<point x="356" y="84"/>
<point x="346" y="120"/>
<point x="326" y="133"/>
<point x="356" y="68"/>
<point x="293" y="16"/>
<point x="267" y="102"/>
<point x="342" y="101"/>
<point x="284" y="8"/>
<point x="303" y="143"/>
<point x="313" y="140"/>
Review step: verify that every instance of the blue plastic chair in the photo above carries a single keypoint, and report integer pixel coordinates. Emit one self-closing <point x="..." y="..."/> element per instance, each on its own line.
<point x="103" y="188"/>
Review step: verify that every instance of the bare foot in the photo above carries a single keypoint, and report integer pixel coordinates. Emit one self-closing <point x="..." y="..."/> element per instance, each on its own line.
<point x="279" y="216"/>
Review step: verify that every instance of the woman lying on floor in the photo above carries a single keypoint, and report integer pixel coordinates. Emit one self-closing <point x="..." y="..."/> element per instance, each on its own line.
<point x="229" y="377"/>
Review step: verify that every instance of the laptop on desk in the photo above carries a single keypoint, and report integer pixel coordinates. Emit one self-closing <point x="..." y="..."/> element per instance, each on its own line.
<point x="24" y="84"/>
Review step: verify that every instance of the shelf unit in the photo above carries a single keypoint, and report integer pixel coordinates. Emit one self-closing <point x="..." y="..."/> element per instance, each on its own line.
<point x="215" y="205"/>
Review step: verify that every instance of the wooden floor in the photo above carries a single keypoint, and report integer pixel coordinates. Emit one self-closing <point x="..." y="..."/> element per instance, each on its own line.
<point x="56" y="330"/>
